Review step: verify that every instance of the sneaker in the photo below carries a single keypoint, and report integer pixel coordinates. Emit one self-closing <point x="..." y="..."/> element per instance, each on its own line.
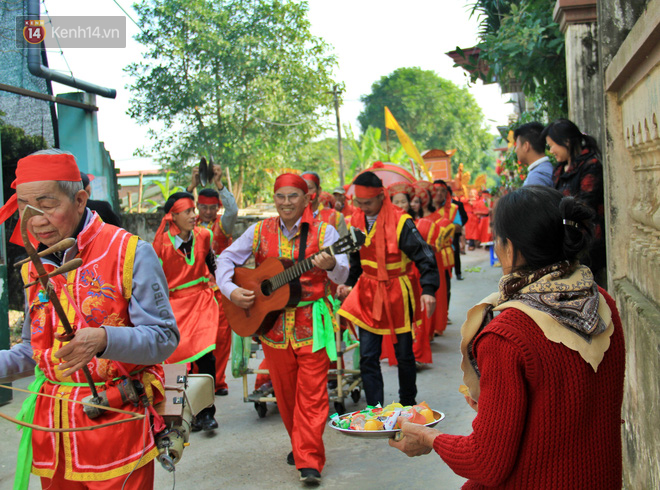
<point x="310" y="476"/>
<point x="222" y="392"/>
<point x="290" y="460"/>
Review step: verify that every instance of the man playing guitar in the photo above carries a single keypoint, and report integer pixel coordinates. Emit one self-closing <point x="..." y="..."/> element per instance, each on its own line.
<point x="298" y="367"/>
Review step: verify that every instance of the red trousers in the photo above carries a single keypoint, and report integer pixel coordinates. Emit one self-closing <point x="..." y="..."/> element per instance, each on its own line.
<point x="141" y="479"/>
<point x="222" y="350"/>
<point x="299" y="378"/>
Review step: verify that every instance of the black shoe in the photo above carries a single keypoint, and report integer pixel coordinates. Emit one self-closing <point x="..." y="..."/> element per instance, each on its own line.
<point x="195" y="425"/>
<point x="459" y="277"/>
<point x="222" y="392"/>
<point x="209" y="424"/>
<point x="310" y="476"/>
<point x="290" y="460"/>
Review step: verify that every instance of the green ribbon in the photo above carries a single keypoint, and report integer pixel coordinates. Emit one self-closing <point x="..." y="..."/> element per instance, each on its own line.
<point x="24" y="458"/>
<point x="323" y="334"/>
<point x="348" y="341"/>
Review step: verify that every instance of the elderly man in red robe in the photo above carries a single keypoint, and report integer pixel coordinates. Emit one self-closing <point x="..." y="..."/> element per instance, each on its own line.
<point x="298" y="363"/>
<point x="122" y="321"/>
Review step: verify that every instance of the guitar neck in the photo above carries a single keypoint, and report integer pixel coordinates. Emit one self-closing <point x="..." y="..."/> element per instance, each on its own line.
<point x="295" y="271"/>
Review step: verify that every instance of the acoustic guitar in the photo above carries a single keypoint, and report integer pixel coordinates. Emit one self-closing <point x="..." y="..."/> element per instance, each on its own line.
<point x="276" y="284"/>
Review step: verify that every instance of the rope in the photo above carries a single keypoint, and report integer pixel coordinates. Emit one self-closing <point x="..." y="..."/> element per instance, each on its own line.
<point x="135" y="416"/>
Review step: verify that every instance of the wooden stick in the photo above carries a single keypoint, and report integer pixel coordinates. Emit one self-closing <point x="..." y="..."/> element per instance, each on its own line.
<point x="58" y="247"/>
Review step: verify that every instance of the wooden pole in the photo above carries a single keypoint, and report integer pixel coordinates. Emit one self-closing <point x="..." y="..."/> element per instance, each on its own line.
<point x="335" y="93"/>
<point x="139" y="204"/>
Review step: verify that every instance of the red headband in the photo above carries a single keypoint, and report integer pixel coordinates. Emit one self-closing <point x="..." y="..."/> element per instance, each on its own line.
<point x="181" y="205"/>
<point x="208" y="200"/>
<point x="312" y="177"/>
<point x="363" y="192"/>
<point x="291" y="180"/>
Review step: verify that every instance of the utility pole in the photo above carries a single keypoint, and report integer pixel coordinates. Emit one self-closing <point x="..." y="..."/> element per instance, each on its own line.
<point x="335" y="93"/>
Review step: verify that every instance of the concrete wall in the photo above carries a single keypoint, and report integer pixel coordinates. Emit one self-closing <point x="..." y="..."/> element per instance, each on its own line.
<point x="630" y="55"/>
<point x="585" y="90"/>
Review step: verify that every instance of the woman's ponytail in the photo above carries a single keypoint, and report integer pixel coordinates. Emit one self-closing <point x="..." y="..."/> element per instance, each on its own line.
<point x="578" y="231"/>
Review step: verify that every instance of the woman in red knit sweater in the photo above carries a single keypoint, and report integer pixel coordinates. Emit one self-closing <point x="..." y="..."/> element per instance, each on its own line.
<point x="543" y="359"/>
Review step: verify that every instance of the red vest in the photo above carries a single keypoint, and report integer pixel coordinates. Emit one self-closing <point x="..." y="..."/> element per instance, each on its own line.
<point x="400" y="304"/>
<point x="330" y="216"/>
<point x="101" y="288"/>
<point x="295" y="325"/>
<point x="221" y="239"/>
<point x="192" y="299"/>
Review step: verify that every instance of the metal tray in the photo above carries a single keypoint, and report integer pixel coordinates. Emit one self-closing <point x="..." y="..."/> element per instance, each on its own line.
<point x="380" y="434"/>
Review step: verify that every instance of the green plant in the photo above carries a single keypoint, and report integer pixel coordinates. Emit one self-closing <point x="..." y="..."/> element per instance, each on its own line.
<point x="166" y="190"/>
<point x="520" y="42"/>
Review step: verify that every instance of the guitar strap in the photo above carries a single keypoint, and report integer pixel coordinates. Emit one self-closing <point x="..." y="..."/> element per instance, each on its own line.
<point x="304" y="228"/>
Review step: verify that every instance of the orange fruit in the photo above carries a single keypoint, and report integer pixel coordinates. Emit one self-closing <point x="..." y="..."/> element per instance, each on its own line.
<point x="428" y="414"/>
<point x="373" y="425"/>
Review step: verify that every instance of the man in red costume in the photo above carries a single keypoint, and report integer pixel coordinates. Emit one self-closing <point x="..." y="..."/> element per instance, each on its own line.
<point x="187" y="257"/>
<point x="122" y="321"/>
<point x="209" y="202"/>
<point x="321" y="213"/>
<point x="382" y="301"/>
<point x="297" y="360"/>
<point x="446" y="213"/>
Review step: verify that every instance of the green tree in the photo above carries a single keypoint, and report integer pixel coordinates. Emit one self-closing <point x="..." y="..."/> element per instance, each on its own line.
<point x="15" y="145"/>
<point x="521" y="43"/>
<point x="433" y="111"/>
<point x="243" y="81"/>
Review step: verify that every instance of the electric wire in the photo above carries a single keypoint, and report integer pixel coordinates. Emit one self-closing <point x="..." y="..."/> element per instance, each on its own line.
<point x="58" y="42"/>
<point x="127" y="15"/>
<point x="144" y="446"/>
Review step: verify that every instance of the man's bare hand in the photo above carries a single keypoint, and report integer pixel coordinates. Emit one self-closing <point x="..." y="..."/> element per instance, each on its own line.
<point x="343" y="291"/>
<point x="324" y="261"/>
<point x="416" y="439"/>
<point x="243" y="298"/>
<point x="428" y="304"/>
<point x="87" y="343"/>
<point x="194" y="178"/>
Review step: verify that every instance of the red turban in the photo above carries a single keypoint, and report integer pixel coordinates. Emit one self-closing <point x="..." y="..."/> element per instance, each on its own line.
<point x="38" y="168"/>
<point x="400" y="187"/>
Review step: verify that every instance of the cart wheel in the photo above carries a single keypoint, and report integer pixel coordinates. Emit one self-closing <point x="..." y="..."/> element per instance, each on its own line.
<point x="340" y="408"/>
<point x="261" y="409"/>
<point x="355" y="395"/>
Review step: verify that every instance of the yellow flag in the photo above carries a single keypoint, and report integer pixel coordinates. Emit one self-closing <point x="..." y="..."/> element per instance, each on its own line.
<point x="406" y="142"/>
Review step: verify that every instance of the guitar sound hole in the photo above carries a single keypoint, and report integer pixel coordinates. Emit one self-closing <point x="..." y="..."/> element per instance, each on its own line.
<point x="266" y="288"/>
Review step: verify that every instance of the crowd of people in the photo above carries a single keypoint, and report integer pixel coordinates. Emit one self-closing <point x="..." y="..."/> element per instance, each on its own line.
<point x="548" y="342"/>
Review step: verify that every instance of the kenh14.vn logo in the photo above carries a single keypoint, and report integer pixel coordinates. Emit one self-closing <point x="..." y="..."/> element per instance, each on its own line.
<point x="34" y="31"/>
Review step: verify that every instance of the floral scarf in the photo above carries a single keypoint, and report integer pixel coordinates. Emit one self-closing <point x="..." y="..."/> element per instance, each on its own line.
<point x="562" y="299"/>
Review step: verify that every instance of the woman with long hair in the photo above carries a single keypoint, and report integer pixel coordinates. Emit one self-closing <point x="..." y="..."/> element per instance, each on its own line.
<point x="579" y="173"/>
<point x="546" y="374"/>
